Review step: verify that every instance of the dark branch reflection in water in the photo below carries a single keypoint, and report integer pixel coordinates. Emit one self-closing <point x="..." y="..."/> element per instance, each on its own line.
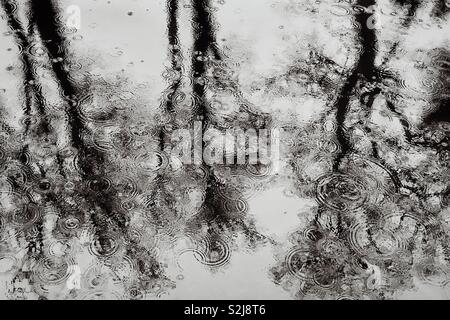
<point x="95" y="205"/>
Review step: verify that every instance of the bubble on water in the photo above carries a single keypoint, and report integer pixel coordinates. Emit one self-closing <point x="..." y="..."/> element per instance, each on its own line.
<point x="37" y="50"/>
